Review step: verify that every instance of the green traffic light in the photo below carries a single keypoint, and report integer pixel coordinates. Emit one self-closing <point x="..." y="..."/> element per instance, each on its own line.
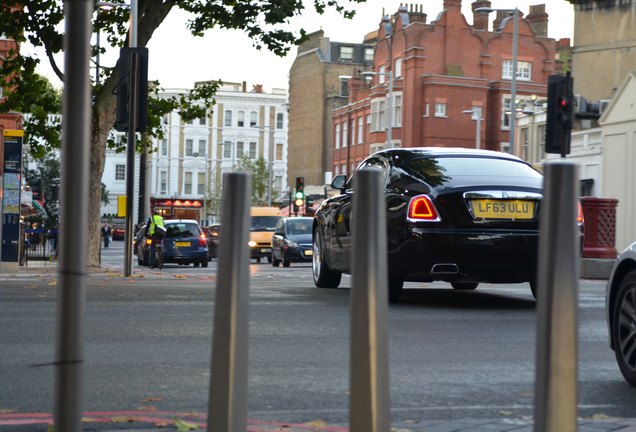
<point x="299" y="195"/>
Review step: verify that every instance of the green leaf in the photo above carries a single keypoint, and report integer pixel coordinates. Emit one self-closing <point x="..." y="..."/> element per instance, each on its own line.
<point x="184" y="426"/>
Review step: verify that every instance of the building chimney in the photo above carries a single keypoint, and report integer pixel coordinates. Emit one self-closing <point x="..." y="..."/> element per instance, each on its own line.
<point x="453" y="4"/>
<point x="244" y="86"/>
<point x="538" y="18"/>
<point x="501" y="15"/>
<point x="416" y="14"/>
<point x="480" y="19"/>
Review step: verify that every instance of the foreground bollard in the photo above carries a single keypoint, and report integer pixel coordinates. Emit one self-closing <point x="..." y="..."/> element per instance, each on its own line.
<point x="555" y="388"/>
<point x="370" y="408"/>
<point x="69" y="324"/>
<point x="227" y="405"/>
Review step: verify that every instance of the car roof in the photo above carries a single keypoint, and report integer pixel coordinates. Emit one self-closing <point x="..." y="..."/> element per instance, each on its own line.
<point x="444" y="151"/>
<point x="180" y="221"/>
<point x="298" y="218"/>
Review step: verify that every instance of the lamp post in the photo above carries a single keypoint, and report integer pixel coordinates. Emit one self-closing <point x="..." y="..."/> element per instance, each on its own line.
<point x="476" y="111"/>
<point x="388" y="122"/>
<point x="513" y="87"/>
<point x="270" y="161"/>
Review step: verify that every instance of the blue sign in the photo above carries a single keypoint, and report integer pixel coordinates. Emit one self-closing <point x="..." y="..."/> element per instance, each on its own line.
<point x="11" y="188"/>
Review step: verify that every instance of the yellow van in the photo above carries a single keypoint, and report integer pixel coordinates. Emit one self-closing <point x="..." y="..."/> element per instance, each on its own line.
<point x="264" y="220"/>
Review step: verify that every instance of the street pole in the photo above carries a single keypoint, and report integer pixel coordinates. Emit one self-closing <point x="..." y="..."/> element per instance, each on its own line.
<point x="478" y="139"/>
<point x="389" y="106"/>
<point x="73" y="247"/>
<point x="513" y="90"/>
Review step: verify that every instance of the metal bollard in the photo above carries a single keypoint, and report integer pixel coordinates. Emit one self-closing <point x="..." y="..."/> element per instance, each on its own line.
<point x="370" y="407"/>
<point x="69" y="331"/>
<point x="557" y="323"/>
<point x="227" y="405"/>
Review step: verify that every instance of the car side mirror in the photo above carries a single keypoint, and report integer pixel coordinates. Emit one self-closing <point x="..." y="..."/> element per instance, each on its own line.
<point x="339" y="182"/>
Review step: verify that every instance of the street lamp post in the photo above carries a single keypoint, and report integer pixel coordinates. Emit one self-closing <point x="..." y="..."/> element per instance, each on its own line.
<point x="389" y="104"/>
<point x="270" y="161"/>
<point x="513" y="86"/>
<point x="476" y="111"/>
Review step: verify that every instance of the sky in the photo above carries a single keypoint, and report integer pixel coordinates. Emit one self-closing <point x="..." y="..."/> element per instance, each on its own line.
<point x="177" y="59"/>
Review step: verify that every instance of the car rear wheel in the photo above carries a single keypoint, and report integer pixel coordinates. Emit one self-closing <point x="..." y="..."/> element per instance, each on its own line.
<point x="396" y="284"/>
<point x="324" y="277"/>
<point x="624" y="328"/>
<point x="285" y="262"/>
<point x="204" y="263"/>
<point x="464" y="285"/>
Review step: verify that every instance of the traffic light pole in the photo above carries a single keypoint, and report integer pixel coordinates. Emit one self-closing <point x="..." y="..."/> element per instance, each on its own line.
<point x="130" y="160"/>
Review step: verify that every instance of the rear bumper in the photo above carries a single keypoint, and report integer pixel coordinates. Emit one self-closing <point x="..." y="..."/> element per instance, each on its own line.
<point x="466" y="255"/>
<point x="293" y="254"/>
<point x="181" y="256"/>
<point x="261" y="251"/>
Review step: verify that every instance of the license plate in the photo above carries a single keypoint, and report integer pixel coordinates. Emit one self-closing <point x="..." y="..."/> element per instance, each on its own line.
<point x="266" y="250"/>
<point x="497" y="209"/>
<point x="309" y="252"/>
<point x="183" y="244"/>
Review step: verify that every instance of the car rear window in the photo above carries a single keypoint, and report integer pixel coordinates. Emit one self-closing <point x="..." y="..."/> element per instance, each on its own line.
<point x="183" y="229"/>
<point x="437" y="171"/>
<point x="299" y="227"/>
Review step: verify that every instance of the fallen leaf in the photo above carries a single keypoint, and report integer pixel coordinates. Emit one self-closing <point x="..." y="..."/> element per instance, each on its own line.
<point x="425" y="285"/>
<point x="180" y="276"/>
<point x="41" y="296"/>
<point x="151" y="399"/>
<point x="123" y="419"/>
<point x="6" y="411"/>
<point x="89" y="420"/>
<point x="141" y="276"/>
<point x="161" y="424"/>
<point x="317" y="423"/>
<point x="600" y="417"/>
<point x="158" y="274"/>
<point x="191" y="414"/>
<point x="411" y="421"/>
<point x="267" y="284"/>
<point x="132" y="281"/>
<point x="99" y="285"/>
<point x="184" y="426"/>
<point x="107" y="280"/>
<point x="53" y="283"/>
<point x="113" y="275"/>
<point x="505" y="412"/>
<point x="146" y="408"/>
<point x="43" y="279"/>
<point x="31" y="287"/>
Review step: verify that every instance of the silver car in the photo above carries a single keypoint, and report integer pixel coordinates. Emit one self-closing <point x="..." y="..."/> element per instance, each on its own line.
<point x="621" y="312"/>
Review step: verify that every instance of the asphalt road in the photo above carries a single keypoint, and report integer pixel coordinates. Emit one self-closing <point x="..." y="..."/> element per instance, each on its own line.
<point x="453" y="354"/>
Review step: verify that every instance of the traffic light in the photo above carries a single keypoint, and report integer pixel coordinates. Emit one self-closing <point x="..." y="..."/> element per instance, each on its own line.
<point x="122" y="115"/>
<point x="299" y="198"/>
<point x="560" y="116"/>
<point x="37" y="187"/>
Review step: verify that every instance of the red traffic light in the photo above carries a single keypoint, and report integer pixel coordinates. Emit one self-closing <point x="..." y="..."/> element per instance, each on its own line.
<point x="563" y="103"/>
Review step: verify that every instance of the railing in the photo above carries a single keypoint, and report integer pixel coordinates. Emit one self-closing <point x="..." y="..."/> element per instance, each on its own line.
<point x="38" y="245"/>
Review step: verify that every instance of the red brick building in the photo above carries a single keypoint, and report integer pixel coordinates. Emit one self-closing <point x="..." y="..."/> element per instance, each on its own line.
<point x="9" y="120"/>
<point x="440" y="70"/>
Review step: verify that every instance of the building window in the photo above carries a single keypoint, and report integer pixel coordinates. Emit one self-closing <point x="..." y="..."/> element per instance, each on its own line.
<point x="187" y="190"/>
<point x="240" y="121"/>
<point x="202" y="145"/>
<point x="227" y="150"/>
<point x="525" y="144"/>
<point x="440" y="109"/>
<point x="353" y="167"/>
<point x="337" y="136"/>
<point x="279" y="120"/>
<point x="397" y="110"/>
<point x="228" y="118"/>
<point x="398" y="67"/>
<point x="360" y="128"/>
<point x="120" y="172"/>
<point x="279" y="152"/>
<point x="164" y="147"/>
<point x="239" y="150"/>
<point x="345" y="137"/>
<point x="336" y="170"/>
<point x="164" y="183"/>
<point x="252" y="150"/>
<point x="368" y="55"/>
<point x="190" y="122"/>
<point x="188" y="147"/>
<point x="426" y="110"/>
<point x="524" y="70"/>
<point x="346" y="53"/>
<point x="344" y="169"/>
<point x="202" y="121"/>
<point x="381" y="115"/>
<point x="344" y="88"/>
<point x="381" y="77"/>
<point x="253" y="116"/>
<point x="278" y="183"/>
<point x="541" y="142"/>
<point x="201" y="184"/>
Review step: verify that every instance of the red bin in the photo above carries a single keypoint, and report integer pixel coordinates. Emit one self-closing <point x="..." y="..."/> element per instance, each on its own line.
<point x="600" y="227"/>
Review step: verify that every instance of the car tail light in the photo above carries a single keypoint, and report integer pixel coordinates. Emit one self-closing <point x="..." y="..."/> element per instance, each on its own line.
<point x="149" y="241"/>
<point x="421" y="209"/>
<point x="579" y="218"/>
<point x="202" y="240"/>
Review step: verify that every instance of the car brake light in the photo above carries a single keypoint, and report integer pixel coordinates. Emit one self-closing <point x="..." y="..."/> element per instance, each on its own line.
<point x="149" y="241"/>
<point x="421" y="209"/>
<point x="202" y="241"/>
<point x="579" y="218"/>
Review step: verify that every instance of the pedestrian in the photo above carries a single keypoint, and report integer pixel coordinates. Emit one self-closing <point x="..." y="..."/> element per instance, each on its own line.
<point x="106" y="234"/>
<point x="53" y="238"/>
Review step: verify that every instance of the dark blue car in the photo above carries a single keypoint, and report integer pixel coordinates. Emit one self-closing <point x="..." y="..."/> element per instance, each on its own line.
<point x="185" y="243"/>
<point x="292" y="241"/>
